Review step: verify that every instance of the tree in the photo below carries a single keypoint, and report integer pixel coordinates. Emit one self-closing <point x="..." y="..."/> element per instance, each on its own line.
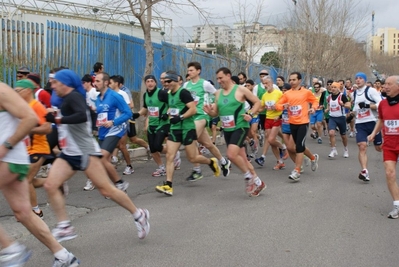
<point x="319" y="38"/>
<point x="385" y="64"/>
<point x="271" y="58"/>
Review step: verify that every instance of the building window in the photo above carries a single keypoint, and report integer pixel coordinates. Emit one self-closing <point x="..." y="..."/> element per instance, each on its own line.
<point x="394" y="35"/>
<point x="394" y="47"/>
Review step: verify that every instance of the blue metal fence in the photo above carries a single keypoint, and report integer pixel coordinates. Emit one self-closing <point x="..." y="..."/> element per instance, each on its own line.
<point x="28" y="44"/>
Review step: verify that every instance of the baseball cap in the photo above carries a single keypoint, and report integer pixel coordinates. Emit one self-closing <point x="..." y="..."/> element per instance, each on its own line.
<point x="263" y="72"/>
<point x="23" y="70"/>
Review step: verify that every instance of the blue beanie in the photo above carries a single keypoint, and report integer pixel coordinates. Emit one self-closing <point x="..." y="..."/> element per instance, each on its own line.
<point x="361" y="75"/>
<point x="70" y="79"/>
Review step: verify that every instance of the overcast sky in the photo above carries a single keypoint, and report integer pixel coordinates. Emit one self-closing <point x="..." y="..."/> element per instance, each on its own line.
<point x="386" y="15"/>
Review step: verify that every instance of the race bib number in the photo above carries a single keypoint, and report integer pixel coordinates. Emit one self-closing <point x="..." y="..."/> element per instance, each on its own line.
<point x="228" y="121"/>
<point x="174" y="112"/>
<point x="27" y="141"/>
<point x="62" y="136"/>
<point x="363" y="113"/>
<point x="284" y="118"/>
<point x="295" y="111"/>
<point x="391" y="127"/>
<point x="153" y="111"/>
<point x="269" y="104"/>
<point x="101" y="119"/>
<point x="334" y="107"/>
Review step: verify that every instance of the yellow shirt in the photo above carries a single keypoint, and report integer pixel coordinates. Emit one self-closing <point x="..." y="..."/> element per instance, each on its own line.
<point x="269" y="100"/>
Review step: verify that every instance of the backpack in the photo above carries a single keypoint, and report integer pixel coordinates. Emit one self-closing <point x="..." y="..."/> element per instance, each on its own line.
<point x="365" y="94"/>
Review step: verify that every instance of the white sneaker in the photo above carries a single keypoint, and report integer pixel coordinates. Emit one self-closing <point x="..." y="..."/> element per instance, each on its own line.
<point x="114" y="159"/>
<point x="314" y="163"/>
<point x="89" y="185"/>
<point x="351" y="134"/>
<point x="346" y="153"/>
<point x="294" y="175"/>
<point x="177" y="161"/>
<point x="142" y="224"/>
<point x="128" y="170"/>
<point x="333" y="153"/>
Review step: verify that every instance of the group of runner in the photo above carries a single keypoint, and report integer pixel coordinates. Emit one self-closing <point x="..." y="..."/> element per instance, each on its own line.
<point x="177" y="114"/>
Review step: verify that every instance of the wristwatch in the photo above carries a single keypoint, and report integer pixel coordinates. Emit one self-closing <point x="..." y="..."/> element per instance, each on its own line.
<point x="8" y="145"/>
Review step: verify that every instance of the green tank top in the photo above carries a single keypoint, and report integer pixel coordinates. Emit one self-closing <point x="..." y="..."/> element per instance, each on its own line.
<point x="198" y="93"/>
<point x="177" y="108"/>
<point x="230" y="111"/>
<point x="155" y="109"/>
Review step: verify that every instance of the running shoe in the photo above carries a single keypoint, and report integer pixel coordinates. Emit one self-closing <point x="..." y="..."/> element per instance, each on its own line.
<point x="254" y="147"/>
<point x="15" y="259"/>
<point x="40" y="213"/>
<point x="346" y="153"/>
<point x="177" y="161"/>
<point x="333" y="153"/>
<point x="165" y="189"/>
<point x="128" y="170"/>
<point x="319" y="140"/>
<point x="351" y="134"/>
<point x="226" y="167"/>
<point x="294" y="176"/>
<point x="364" y="175"/>
<point x="195" y="176"/>
<point x="159" y="172"/>
<point x="259" y="188"/>
<point x="313" y="135"/>
<point x="314" y="163"/>
<point x="122" y="186"/>
<point x="204" y="151"/>
<point x="394" y="214"/>
<point x="284" y="154"/>
<point x="325" y="132"/>
<point x="64" y="233"/>
<point x="142" y="223"/>
<point x="261" y="137"/>
<point x="89" y="185"/>
<point x="306" y="160"/>
<point x="43" y="172"/>
<point x="260" y="161"/>
<point x="72" y="261"/>
<point x="114" y="160"/>
<point x="149" y="155"/>
<point x="215" y="166"/>
<point x="250" y="186"/>
<point x="279" y="166"/>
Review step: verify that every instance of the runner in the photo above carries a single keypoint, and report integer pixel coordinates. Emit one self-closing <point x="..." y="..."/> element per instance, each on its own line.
<point x="182" y="108"/>
<point x="200" y="89"/>
<point x="365" y="104"/>
<point x="82" y="153"/>
<point x="40" y="94"/>
<point x="272" y="124"/>
<point x="316" y="119"/>
<point x="388" y="111"/>
<point x="112" y="114"/>
<point x="155" y="106"/>
<point x="17" y="120"/>
<point x="36" y="142"/>
<point x="297" y="102"/>
<point x="229" y="106"/>
<point x="336" y="102"/>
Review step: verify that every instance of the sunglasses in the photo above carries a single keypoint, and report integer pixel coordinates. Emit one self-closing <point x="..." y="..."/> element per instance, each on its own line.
<point x="167" y="81"/>
<point x="19" y="90"/>
<point x="263" y="74"/>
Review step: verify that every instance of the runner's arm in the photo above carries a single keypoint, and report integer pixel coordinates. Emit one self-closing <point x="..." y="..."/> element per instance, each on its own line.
<point x="17" y="107"/>
<point x="187" y="99"/>
<point x="77" y="109"/>
<point x="126" y="113"/>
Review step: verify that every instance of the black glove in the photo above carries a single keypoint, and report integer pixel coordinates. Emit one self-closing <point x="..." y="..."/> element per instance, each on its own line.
<point x="135" y="115"/>
<point x="175" y="119"/>
<point x="363" y="105"/>
<point x="50" y="117"/>
<point x="164" y="117"/>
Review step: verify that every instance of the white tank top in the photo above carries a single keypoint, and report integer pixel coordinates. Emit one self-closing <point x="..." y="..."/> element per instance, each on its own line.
<point x="8" y="125"/>
<point x="335" y="108"/>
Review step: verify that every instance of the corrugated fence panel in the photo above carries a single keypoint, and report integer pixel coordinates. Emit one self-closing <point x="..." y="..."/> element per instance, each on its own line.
<point x="41" y="49"/>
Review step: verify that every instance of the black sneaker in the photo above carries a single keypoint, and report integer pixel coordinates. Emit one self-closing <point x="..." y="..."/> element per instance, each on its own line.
<point x="195" y="176"/>
<point x="226" y="168"/>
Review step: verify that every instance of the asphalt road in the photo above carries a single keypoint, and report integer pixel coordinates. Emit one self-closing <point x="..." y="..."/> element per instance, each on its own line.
<point x="329" y="218"/>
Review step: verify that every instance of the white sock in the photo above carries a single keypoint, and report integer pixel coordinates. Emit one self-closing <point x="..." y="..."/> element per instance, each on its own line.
<point x="263" y="156"/>
<point x="36" y="208"/>
<point x="280" y="161"/>
<point x="13" y="248"/>
<point x="63" y="223"/>
<point x="283" y="147"/>
<point x="137" y="214"/>
<point x="162" y="167"/>
<point x="247" y="175"/>
<point x="258" y="182"/>
<point x="223" y="161"/>
<point x="197" y="169"/>
<point x="62" y="254"/>
<point x="396" y="203"/>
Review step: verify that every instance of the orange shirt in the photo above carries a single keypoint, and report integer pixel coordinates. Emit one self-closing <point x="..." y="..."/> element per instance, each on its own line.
<point x="298" y="101"/>
<point x="36" y="143"/>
